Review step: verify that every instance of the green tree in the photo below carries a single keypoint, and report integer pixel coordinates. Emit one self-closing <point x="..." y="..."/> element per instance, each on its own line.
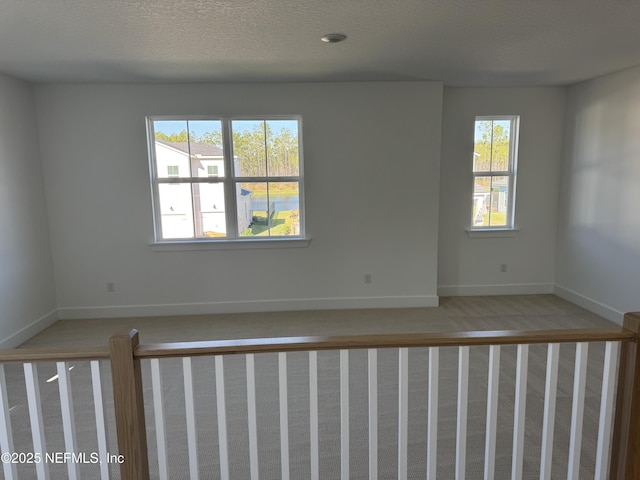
<point x="249" y="148"/>
<point x="176" y="137"/>
<point x="212" y="137"/>
<point x="261" y="151"/>
<point x="283" y="154"/>
<point x="491" y="146"/>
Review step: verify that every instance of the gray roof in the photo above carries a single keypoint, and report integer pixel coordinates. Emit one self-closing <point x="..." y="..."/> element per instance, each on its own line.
<point x="201" y="149"/>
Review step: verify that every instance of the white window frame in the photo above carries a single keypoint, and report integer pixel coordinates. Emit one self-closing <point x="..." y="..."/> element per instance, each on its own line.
<point x="230" y="180"/>
<point x="510" y="173"/>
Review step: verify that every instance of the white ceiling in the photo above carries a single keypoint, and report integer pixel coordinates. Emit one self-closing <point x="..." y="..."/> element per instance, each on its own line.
<point x="461" y="42"/>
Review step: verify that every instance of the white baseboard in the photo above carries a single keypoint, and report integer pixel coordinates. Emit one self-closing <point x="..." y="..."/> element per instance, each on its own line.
<point x="588" y="304"/>
<point x="479" y="290"/>
<point x="24" y="334"/>
<point x="247" y="306"/>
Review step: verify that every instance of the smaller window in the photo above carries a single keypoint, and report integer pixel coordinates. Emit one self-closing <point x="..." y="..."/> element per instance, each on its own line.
<point x="173" y="171"/>
<point x="212" y="170"/>
<point x="495" y="149"/>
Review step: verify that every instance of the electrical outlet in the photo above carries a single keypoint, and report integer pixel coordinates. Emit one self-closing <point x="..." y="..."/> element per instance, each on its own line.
<point x="503" y="267"/>
<point x="111" y="287"/>
<point x="368" y="278"/>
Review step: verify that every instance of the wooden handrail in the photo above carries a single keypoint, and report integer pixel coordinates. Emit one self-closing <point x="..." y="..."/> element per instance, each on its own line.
<point x="291" y="344"/>
<point x="437" y="339"/>
<point x="53" y="354"/>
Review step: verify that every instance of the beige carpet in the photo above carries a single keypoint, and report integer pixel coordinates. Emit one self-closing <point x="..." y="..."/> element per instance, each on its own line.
<point x="454" y="314"/>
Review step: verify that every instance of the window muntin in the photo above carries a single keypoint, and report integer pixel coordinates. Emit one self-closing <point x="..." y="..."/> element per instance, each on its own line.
<point x="196" y="200"/>
<point x="494" y="172"/>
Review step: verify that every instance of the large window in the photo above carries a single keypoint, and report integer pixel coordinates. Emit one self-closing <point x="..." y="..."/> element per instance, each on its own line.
<point x="494" y="172"/>
<point x="226" y="178"/>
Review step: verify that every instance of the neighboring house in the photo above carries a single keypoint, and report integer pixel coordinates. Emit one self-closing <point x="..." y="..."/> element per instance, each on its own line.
<point x="195" y="208"/>
<point x="480" y="202"/>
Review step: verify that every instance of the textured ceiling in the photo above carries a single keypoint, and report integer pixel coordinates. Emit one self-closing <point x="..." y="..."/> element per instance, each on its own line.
<point x="461" y="42"/>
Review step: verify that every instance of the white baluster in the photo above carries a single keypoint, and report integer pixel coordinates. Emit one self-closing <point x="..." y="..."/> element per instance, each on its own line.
<point x="35" y="416"/>
<point x="158" y="409"/>
<point x="344" y="414"/>
<point x="577" y="411"/>
<point x="222" y="419"/>
<point x="373" y="414"/>
<point x="493" y="382"/>
<point x="68" y="419"/>
<point x="313" y="415"/>
<point x="284" y="416"/>
<point x="403" y="410"/>
<point x="609" y="377"/>
<point x="432" y="417"/>
<point x="548" y="423"/>
<point x="190" y="414"/>
<point x="519" y="409"/>
<point x="101" y="427"/>
<point x="6" y="432"/>
<point x="463" y="397"/>
<point x="251" y="416"/>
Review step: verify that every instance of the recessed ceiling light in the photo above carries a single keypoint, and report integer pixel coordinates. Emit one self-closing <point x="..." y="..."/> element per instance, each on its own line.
<point x="333" y="38"/>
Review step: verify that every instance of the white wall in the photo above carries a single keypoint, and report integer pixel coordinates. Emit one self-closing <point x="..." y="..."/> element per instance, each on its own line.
<point x="471" y="266"/>
<point x="27" y="294"/>
<point x="372" y="158"/>
<point x="599" y="228"/>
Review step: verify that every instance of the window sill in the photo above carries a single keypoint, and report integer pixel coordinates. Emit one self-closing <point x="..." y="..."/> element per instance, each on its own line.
<point x="492" y="232"/>
<point x="179" y="246"/>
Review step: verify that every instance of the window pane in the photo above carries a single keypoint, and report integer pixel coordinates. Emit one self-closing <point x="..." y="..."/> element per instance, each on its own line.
<point x="206" y="147"/>
<point x="210" y="211"/>
<point x="500" y="146"/>
<point x="284" y="201"/>
<point x="491" y="145"/>
<point x="482" y="146"/>
<point x="490" y="201"/>
<point x="206" y="131"/>
<point x="182" y="155"/>
<point x="271" y="209"/>
<point x="252" y="207"/>
<point x="249" y="148"/>
<point x="176" y="215"/>
<point x="170" y="147"/>
<point x="481" y="201"/>
<point x="282" y="148"/>
<point x="499" y="201"/>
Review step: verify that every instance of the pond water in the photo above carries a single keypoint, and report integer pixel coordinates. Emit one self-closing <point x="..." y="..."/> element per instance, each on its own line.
<point x="282" y="202"/>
